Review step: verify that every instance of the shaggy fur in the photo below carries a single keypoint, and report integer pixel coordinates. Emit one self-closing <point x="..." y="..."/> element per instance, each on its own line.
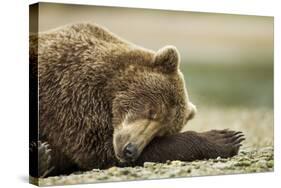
<point x="91" y="82"/>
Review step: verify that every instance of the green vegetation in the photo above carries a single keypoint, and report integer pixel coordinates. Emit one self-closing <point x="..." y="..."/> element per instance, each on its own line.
<point x="230" y="85"/>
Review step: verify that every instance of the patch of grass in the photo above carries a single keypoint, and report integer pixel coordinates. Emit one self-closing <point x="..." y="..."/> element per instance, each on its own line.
<point x="249" y="85"/>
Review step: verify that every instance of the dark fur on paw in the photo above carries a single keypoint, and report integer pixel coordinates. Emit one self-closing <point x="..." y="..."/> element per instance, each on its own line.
<point x="44" y="155"/>
<point x="228" y="141"/>
<point x="190" y="146"/>
<point x="42" y="150"/>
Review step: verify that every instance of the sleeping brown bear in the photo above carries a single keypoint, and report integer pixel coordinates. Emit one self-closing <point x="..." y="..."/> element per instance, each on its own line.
<point x="104" y="101"/>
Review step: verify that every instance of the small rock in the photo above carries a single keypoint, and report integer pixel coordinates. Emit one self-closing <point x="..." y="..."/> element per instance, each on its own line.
<point x="243" y="152"/>
<point x="177" y="163"/>
<point x="219" y="165"/>
<point x="245" y="158"/>
<point x="223" y="160"/>
<point x="270" y="164"/>
<point x="148" y="164"/>
<point x="112" y="169"/>
<point x="197" y="167"/>
<point x="262" y="163"/>
<point x="243" y="163"/>
<point x="125" y="171"/>
<point x="95" y="170"/>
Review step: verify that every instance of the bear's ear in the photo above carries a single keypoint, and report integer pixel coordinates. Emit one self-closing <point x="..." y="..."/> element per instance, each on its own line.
<point x="167" y="59"/>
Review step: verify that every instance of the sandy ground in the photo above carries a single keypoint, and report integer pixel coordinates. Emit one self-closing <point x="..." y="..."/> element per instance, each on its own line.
<point x="256" y="155"/>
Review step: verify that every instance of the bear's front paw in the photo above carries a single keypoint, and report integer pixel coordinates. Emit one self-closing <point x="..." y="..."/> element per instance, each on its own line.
<point x="228" y="142"/>
<point x="43" y="152"/>
<point x="44" y="157"/>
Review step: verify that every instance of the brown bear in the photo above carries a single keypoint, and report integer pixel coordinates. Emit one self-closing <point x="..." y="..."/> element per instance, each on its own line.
<point x="104" y="101"/>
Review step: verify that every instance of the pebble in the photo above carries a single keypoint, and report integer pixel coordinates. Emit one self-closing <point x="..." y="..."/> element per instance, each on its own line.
<point x="148" y="164"/>
<point x="177" y="163"/>
<point x="243" y="163"/>
<point x="112" y="169"/>
<point x="270" y="164"/>
<point x="262" y="163"/>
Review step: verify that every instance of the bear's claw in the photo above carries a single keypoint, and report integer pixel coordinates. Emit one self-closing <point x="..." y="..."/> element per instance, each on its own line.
<point x="42" y="150"/>
<point x="227" y="142"/>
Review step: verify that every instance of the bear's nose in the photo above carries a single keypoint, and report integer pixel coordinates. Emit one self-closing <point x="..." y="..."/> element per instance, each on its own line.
<point x="130" y="152"/>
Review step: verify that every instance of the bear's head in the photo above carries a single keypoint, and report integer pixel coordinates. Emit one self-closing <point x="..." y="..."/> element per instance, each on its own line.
<point x="153" y="103"/>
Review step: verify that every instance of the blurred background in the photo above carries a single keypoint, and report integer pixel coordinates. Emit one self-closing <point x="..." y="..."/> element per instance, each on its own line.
<point x="227" y="60"/>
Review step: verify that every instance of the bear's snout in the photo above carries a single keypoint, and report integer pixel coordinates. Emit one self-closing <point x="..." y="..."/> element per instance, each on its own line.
<point x="130" y="152"/>
<point x="130" y="139"/>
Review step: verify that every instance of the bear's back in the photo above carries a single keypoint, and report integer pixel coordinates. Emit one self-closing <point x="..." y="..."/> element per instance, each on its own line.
<point x="72" y="41"/>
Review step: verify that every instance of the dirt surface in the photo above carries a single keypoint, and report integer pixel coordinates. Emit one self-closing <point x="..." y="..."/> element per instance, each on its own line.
<point x="248" y="161"/>
<point x="256" y="154"/>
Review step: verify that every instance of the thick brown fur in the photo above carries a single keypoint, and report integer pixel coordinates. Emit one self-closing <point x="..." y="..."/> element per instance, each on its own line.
<point x="90" y="80"/>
